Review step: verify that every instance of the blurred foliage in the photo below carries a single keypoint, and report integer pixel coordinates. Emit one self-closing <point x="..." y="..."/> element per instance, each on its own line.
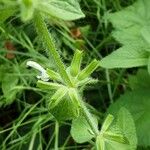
<point x="25" y="121"/>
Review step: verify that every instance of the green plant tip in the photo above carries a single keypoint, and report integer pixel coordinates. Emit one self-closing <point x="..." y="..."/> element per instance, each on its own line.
<point x="88" y="70"/>
<point x="108" y="121"/>
<point x="53" y="75"/>
<point x="76" y="63"/>
<point x="48" y="85"/>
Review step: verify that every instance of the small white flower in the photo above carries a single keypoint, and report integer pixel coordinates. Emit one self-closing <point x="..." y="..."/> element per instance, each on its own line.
<point x="43" y="76"/>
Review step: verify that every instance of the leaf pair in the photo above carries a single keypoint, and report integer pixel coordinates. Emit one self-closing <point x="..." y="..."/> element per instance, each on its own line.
<point x="81" y="77"/>
<point x="117" y="134"/>
<point x="138" y="103"/>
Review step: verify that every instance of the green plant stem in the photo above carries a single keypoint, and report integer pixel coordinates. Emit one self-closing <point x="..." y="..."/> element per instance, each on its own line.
<point x="56" y="134"/>
<point x="88" y="117"/>
<point x="32" y="142"/>
<point x="47" y="39"/>
<point x="109" y="86"/>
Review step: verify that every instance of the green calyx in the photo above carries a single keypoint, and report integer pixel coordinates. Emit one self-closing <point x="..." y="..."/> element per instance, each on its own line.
<point x="76" y="63"/>
<point x="77" y="76"/>
<point x="88" y="70"/>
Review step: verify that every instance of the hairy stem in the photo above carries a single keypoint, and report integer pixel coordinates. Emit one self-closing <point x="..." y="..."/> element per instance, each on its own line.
<point x="48" y="41"/>
<point x="89" y="117"/>
<point x="47" y="38"/>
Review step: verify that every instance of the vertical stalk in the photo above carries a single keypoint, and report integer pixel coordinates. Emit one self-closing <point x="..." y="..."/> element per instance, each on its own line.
<point x="56" y="135"/>
<point x="32" y="142"/>
<point x="48" y="41"/>
<point x="109" y="86"/>
<point x="46" y="37"/>
<point x="89" y="117"/>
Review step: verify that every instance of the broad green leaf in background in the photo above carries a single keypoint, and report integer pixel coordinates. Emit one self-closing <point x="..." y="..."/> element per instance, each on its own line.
<point x="9" y="80"/>
<point x="120" y="133"/>
<point x="124" y="18"/>
<point x="132" y="31"/>
<point x="126" y="124"/>
<point x="62" y="9"/>
<point x="138" y="103"/>
<point x="129" y="36"/>
<point x="81" y="131"/>
<point x="145" y="31"/>
<point x="139" y="81"/>
<point x="136" y="14"/>
<point x="124" y="57"/>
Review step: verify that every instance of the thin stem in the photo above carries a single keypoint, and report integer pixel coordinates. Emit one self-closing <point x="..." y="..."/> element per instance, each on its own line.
<point x="56" y="134"/>
<point x="109" y="86"/>
<point x="32" y="142"/>
<point x="65" y="143"/>
<point x="121" y="73"/>
<point x="89" y="117"/>
<point x="47" y="39"/>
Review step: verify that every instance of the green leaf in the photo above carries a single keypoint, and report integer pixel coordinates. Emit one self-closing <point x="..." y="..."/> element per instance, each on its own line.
<point x="62" y="9"/>
<point x="80" y="130"/>
<point x="116" y="137"/>
<point x="126" y="125"/>
<point x="121" y="133"/>
<point x="132" y="31"/>
<point x="145" y="31"/>
<point x="140" y="81"/>
<point x="138" y="103"/>
<point x="126" y="57"/>
<point x="148" y="65"/>
<point x="138" y="13"/>
<point x="128" y="36"/>
<point x="109" y="119"/>
<point x="27" y="9"/>
<point x="8" y="84"/>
